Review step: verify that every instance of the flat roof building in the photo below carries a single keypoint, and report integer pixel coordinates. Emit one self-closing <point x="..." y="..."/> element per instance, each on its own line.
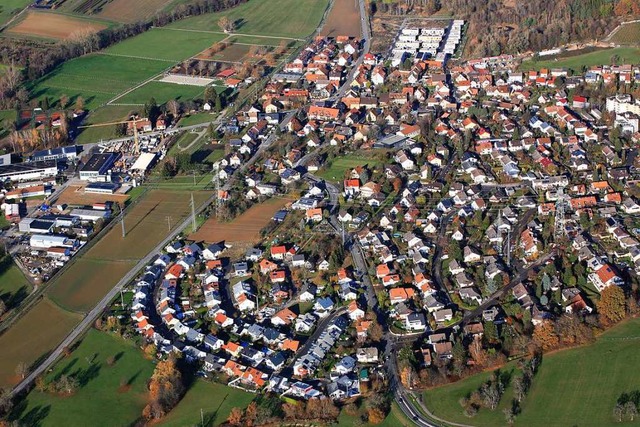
<point x="98" y="166"/>
<point x="29" y="171"/>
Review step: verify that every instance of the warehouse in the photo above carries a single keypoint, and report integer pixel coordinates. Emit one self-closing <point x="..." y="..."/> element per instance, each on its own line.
<point x="102" y="187"/>
<point x="90" y="214"/>
<point x="61" y="153"/>
<point x="29" y="171"/>
<point x="42" y="241"/>
<point x="98" y="167"/>
<point x="144" y="163"/>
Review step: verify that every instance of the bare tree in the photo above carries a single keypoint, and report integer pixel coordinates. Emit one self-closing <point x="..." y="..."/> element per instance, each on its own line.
<point x="22" y="370"/>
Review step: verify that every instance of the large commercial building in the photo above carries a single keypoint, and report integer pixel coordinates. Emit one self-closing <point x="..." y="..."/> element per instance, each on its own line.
<point x="98" y="166"/>
<point x="29" y="171"/>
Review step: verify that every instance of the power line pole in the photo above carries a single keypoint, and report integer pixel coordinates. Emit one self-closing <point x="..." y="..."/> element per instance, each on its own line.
<point x="124" y="232"/>
<point x="193" y="214"/>
<point x="168" y="223"/>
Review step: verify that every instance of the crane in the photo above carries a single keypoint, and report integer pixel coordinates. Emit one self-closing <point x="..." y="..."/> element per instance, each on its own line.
<point x="135" y="129"/>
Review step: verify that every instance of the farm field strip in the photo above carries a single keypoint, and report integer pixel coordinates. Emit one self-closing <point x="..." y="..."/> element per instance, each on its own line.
<point x="128" y="11"/>
<point x="267" y="18"/>
<point x="147" y="58"/>
<point x="230" y="34"/>
<point x="52" y="25"/>
<point x="35" y="334"/>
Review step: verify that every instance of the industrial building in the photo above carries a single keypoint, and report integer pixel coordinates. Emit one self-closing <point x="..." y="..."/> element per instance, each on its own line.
<point x="29" y="171"/>
<point x="42" y="241"/>
<point x="90" y="214"/>
<point x="98" y="167"/>
<point x="61" y="153"/>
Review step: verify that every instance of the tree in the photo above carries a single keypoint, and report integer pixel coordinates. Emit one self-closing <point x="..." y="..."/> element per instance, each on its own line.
<point x="630" y="410"/>
<point x="235" y="417"/>
<point x="151" y="110"/>
<point x="544" y="336"/>
<point x="226" y="24"/>
<point x="509" y="415"/>
<point x="375" y="416"/>
<point x="376" y="333"/>
<point x="3" y="307"/>
<point x="79" y="105"/>
<point x="611" y="306"/>
<point x="165" y="389"/>
<point x="618" y="412"/>
<point x="174" y="107"/>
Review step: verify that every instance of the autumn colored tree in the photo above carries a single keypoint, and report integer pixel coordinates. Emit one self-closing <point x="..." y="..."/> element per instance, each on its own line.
<point x="235" y="417"/>
<point x="165" y="389"/>
<point x="375" y="416"/>
<point x="545" y="337"/>
<point x="612" y="305"/>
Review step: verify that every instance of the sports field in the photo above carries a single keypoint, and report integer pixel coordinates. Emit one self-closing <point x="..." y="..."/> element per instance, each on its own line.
<point x="278" y="18"/>
<point x="102" y="389"/>
<point x="96" y="78"/>
<point x="215" y="400"/>
<point x="336" y="171"/>
<point x="628" y="34"/>
<point x="87" y="280"/>
<point x="35" y="334"/>
<point x="343" y="20"/>
<point x="243" y="229"/>
<point x="14" y="287"/>
<point x="8" y="8"/>
<point x="161" y="92"/>
<point x="627" y="55"/>
<point x="52" y="26"/>
<point x="577" y="387"/>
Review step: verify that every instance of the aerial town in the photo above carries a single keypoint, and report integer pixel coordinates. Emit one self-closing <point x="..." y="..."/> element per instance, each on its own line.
<point x="373" y="217"/>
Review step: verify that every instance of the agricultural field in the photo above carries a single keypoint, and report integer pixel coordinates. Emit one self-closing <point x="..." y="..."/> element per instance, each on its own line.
<point x="52" y="26"/>
<point x="32" y="337"/>
<point x="276" y="18"/>
<point x="103" y="265"/>
<point x="215" y="400"/>
<point x="127" y="11"/>
<point x="336" y="171"/>
<point x="96" y="78"/>
<point x="626" y="55"/>
<point x="242" y="229"/>
<point x="106" y="114"/>
<point x="14" y="287"/>
<point x="6" y="116"/>
<point x="102" y="387"/>
<point x="165" y="44"/>
<point x="343" y="20"/>
<point x="161" y="92"/>
<point x="628" y="34"/>
<point x="10" y="8"/>
<point x="572" y="387"/>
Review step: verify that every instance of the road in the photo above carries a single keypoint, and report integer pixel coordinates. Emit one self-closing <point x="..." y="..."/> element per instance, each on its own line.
<point x="287" y="371"/>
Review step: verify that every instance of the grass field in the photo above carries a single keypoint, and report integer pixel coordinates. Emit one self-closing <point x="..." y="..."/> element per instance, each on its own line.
<point x="165" y="44"/>
<point x="14" y="287"/>
<point x="336" y="171"/>
<point x="6" y="115"/>
<point x="577" y="387"/>
<point x="280" y="18"/>
<point x="215" y="400"/>
<point x="52" y="26"/>
<point x="9" y="8"/>
<point x="107" y="396"/>
<point x="628" y="55"/>
<point x="162" y="92"/>
<point x="106" y="114"/>
<point x="96" y="78"/>
<point x="628" y="34"/>
<point x="243" y="229"/>
<point x="104" y="264"/>
<point x="196" y="119"/>
<point x="34" y="335"/>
